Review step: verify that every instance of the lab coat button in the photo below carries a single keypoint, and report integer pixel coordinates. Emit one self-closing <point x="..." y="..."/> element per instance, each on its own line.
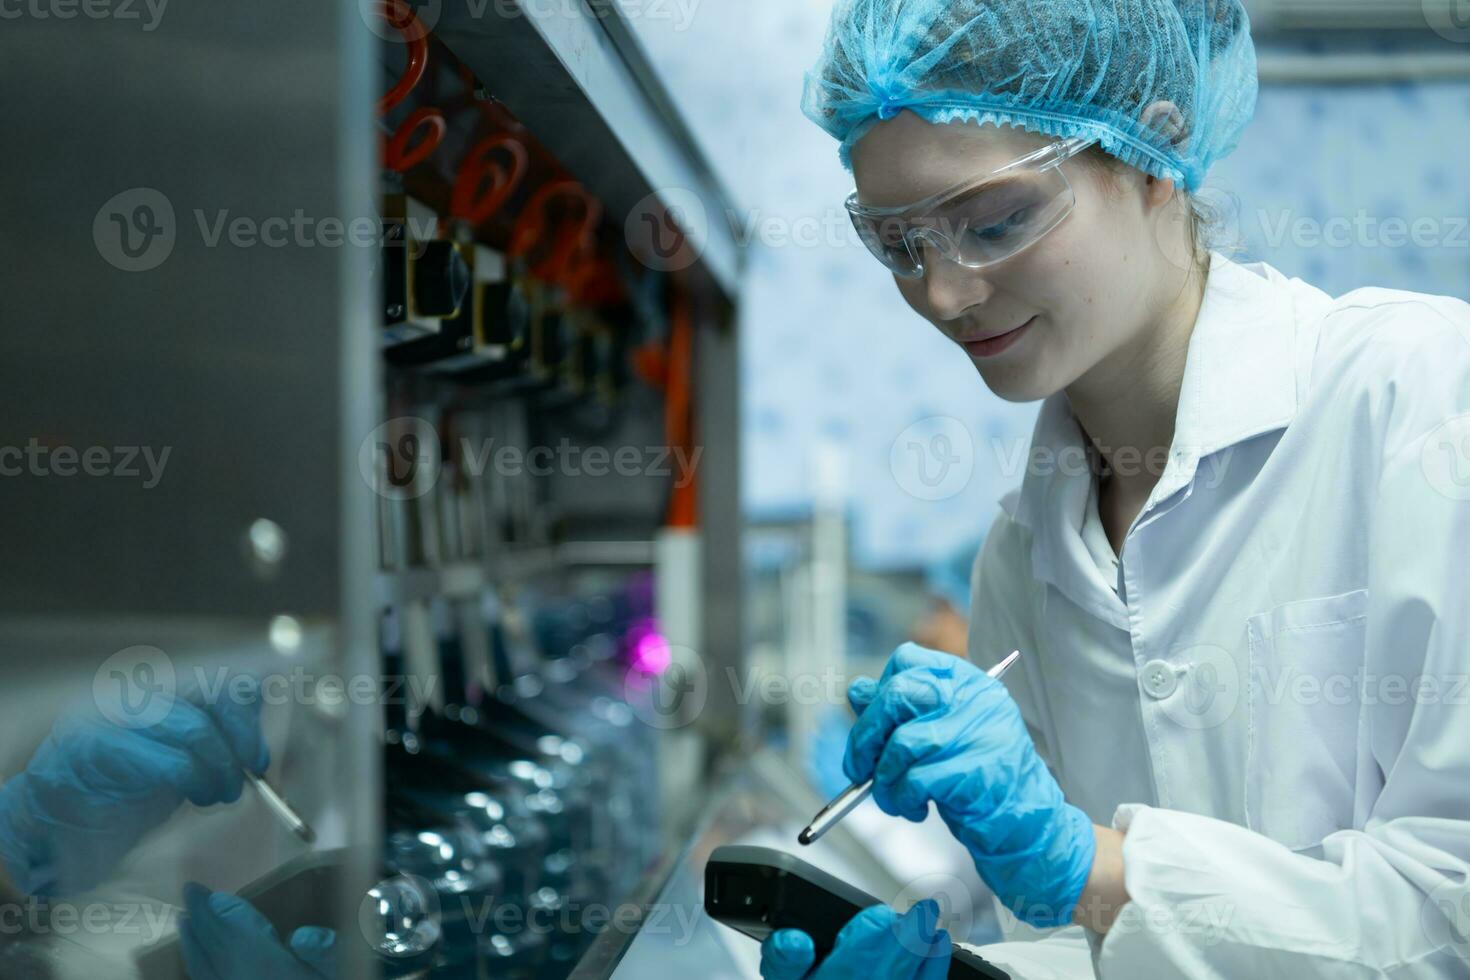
<point x="1159" y="679"/>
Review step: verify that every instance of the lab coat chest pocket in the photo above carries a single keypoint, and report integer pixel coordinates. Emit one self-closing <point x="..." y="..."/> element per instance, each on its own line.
<point x="1305" y="680"/>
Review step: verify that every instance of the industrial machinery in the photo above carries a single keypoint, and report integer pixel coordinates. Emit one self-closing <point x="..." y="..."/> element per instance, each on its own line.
<point x="385" y="351"/>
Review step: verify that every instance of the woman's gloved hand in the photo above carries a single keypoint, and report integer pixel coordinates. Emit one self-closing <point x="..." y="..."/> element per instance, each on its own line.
<point x="226" y="938"/>
<point x="935" y="727"/>
<point x="877" y="942"/>
<point x="95" y="787"/>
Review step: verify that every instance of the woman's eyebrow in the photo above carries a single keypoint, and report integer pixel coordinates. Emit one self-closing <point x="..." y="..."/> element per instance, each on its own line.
<point x="990" y="187"/>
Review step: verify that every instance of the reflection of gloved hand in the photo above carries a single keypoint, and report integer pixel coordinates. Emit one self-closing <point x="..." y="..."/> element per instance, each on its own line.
<point x="226" y="938"/>
<point x="935" y="727"/>
<point x="94" y="787"/>
<point x="877" y="942"/>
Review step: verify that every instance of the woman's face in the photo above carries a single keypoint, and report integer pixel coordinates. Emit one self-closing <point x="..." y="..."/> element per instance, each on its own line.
<point x="1086" y="283"/>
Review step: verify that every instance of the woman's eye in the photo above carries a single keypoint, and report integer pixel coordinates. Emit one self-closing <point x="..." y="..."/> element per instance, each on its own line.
<point x="1003" y="228"/>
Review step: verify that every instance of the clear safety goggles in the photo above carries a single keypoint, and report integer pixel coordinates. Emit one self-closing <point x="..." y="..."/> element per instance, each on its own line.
<point x="976" y="223"/>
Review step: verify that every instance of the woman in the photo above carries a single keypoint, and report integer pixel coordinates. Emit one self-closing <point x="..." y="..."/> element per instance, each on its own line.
<point x="1238" y="739"/>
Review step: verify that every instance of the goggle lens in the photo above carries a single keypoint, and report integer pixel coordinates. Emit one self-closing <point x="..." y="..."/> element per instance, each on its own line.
<point x="976" y="228"/>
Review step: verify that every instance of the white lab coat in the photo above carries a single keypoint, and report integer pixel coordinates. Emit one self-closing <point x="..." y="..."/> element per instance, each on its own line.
<point x="1273" y="701"/>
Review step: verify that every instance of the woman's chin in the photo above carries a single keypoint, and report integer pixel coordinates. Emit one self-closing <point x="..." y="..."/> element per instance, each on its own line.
<point x="1012" y="382"/>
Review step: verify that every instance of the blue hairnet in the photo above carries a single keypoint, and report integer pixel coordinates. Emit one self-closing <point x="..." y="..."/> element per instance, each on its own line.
<point x="1059" y="67"/>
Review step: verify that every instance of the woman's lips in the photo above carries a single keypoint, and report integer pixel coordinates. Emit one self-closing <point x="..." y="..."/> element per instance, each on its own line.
<point x="994" y="345"/>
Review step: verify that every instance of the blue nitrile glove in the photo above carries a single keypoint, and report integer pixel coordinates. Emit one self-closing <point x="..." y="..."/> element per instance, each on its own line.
<point x="95" y="787"/>
<point x="226" y="938"/>
<point x="877" y="942"/>
<point x="935" y="727"/>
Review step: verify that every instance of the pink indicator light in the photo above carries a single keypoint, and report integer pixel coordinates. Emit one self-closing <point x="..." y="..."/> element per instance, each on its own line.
<point x="650" y="650"/>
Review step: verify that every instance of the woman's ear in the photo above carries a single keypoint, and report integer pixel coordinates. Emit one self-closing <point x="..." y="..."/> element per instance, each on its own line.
<point x="1165" y="119"/>
<point x="1150" y="192"/>
<point x="1157" y="191"/>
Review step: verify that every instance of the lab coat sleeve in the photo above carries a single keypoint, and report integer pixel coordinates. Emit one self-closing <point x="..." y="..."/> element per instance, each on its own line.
<point x="1001" y="617"/>
<point x="1391" y="897"/>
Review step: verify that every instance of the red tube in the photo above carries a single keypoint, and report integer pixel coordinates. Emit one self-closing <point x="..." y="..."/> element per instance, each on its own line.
<point x="531" y="227"/>
<point x="401" y="16"/>
<point x="399" y="155"/>
<point x="467" y="202"/>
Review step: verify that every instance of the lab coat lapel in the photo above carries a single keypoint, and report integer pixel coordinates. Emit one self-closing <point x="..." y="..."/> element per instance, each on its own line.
<point x="1053" y="499"/>
<point x="1240" y="373"/>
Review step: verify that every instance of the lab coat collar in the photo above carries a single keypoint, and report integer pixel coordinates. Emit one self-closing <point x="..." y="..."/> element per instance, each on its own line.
<point x="1240" y="380"/>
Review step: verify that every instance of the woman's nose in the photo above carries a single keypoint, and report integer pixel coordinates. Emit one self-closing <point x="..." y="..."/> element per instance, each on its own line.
<point x="949" y="287"/>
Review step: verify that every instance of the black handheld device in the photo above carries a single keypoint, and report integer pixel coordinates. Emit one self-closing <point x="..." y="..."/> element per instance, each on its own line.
<point x="758" y="890"/>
